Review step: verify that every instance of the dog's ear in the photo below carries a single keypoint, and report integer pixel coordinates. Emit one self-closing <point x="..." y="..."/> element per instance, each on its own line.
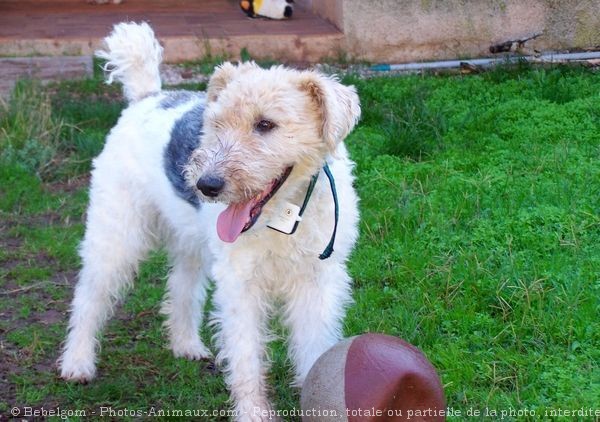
<point x="338" y="106"/>
<point x="224" y="74"/>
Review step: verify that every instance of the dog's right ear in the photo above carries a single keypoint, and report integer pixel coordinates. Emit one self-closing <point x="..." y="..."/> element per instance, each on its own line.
<point x="224" y="74"/>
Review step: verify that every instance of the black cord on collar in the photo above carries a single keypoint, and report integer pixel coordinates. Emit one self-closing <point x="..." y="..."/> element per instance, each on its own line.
<point x="329" y="248"/>
<point x="313" y="181"/>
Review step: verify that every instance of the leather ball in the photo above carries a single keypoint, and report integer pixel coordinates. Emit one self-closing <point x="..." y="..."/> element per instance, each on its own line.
<point x="372" y="377"/>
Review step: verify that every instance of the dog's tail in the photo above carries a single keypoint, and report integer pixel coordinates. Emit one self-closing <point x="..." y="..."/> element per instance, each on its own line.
<point x="133" y="56"/>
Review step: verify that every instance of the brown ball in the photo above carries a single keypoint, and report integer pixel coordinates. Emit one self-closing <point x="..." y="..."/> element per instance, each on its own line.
<point x="372" y="377"/>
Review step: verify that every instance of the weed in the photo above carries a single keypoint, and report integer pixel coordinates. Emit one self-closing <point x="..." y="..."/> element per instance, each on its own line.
<point x="404" y="121"/>
<point x="412" y="129"/>
<point x="265" y="63"/>
<point x="31" y="137"/>
<point x="206" y="64"/>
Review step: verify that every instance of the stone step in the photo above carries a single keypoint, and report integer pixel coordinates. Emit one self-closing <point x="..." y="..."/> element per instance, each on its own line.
<point x="43" y="68"/>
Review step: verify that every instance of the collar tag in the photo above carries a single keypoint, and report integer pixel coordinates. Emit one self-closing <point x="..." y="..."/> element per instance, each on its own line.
<point x="286" y="220"/>
<point x="290" y="215"/>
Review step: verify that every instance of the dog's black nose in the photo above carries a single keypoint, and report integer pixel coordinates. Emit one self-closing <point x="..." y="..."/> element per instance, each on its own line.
<point x="210" y="185"/>
<point x="287" y="12"/>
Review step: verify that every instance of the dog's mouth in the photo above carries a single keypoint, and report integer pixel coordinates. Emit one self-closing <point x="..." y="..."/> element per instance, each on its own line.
<point x="241" y="216"/>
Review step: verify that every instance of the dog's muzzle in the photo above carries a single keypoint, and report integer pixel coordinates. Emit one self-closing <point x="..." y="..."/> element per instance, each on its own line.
<point x="210" y="185"/>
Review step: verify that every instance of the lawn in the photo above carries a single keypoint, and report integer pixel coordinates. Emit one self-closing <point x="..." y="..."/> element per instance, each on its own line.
<point x="480" y="244"/>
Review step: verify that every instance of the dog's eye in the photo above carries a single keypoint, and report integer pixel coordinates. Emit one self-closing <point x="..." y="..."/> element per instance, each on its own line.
<point x="264" y="126"/>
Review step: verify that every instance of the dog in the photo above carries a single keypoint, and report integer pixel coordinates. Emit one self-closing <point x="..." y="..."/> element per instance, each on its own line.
<point x="249" y="185"/>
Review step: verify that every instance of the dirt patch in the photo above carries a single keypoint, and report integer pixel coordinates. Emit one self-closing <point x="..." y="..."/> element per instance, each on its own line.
<point x="10" y="242"/>
<point x="65" y="278"/>
<point x="17" y="361"/>
<point x="47" y="299"/>
<point x="51" y="316"/>
<point x="10" y="264"/>
<point x="17" y="255"/>
<point x="8" y="366"/>
<point x="44" y="219"/>
<point x="49" y="218"/>
<point x="49" y="310"/>
<point x="68" y="186"/>
<point x="25" y="260"/>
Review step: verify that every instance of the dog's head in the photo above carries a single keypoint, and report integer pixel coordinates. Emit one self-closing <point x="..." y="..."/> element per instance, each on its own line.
<point x="259" y="124"/>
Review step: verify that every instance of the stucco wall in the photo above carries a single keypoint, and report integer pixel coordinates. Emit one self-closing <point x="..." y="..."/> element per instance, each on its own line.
<point x="332" y="10"/>
<point x="408" y="30"/>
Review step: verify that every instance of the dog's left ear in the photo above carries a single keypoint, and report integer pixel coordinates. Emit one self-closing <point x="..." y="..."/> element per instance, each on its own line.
<point x="224" y="74"/>
<point x="337" y="104"/>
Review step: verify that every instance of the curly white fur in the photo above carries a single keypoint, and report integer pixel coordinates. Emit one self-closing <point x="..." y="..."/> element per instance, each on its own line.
<point x="133" y="56"/>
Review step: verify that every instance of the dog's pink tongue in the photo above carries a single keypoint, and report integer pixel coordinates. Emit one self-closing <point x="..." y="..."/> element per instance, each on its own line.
<point x="231" y="222"/>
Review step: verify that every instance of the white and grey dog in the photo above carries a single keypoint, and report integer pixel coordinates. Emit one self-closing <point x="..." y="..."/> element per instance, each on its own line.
<point x="219" y="179"/>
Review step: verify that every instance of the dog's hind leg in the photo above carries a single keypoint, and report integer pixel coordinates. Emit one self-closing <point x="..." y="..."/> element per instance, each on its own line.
<point x="116" y="239"/>
<point x="184" y="303"/>
<point x="313" y="312"/>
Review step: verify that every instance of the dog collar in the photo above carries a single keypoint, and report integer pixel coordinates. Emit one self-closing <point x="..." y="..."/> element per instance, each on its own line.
<point x="329" y="248"/>
<point x="289" y="221"/>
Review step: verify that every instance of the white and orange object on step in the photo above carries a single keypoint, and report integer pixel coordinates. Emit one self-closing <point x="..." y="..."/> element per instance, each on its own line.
<point x="272" y="9"/>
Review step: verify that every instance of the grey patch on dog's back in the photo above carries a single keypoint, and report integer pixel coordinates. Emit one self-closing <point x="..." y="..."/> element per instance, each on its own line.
<point x="174" y="99"/>
<point x="185" y="137"/>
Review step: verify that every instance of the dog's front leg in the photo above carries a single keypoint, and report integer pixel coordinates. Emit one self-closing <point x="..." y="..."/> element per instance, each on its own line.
<point x="241" y="312"/>
<point x="314" y="312"/>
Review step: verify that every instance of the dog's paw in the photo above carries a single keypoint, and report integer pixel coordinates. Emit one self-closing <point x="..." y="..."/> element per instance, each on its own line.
<point x="191" y="351"/>
<point x="77" y="371"/>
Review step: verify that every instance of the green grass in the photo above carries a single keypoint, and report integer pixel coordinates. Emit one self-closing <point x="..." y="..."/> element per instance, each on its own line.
<point x="480" y="244"/>
<point x="209" y="61"/>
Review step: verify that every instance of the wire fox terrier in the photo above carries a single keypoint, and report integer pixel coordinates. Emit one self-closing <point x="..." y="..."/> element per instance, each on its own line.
<point x="222" y="180"/>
